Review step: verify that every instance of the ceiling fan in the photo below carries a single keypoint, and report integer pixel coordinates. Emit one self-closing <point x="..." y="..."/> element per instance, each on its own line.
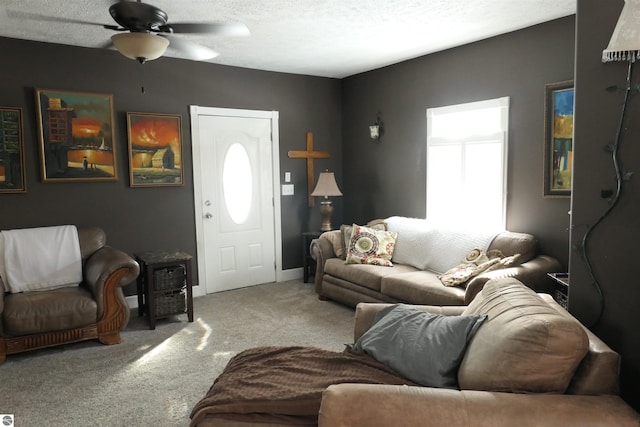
<point x="144" y="32"/>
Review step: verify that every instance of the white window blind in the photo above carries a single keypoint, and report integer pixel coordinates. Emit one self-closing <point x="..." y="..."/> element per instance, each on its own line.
<point x="467" y="164"/>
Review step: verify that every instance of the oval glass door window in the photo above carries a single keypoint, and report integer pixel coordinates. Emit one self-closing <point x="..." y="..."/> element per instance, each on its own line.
<point x="237" y="179"/>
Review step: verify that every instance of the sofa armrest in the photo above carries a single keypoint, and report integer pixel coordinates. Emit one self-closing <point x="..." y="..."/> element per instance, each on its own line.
<point x="105" y="272"/>
<point x="365" y="313"/>
<point x="532" y="273"/>
<point x="369" y="405"/>
<point x="321" y="250"/>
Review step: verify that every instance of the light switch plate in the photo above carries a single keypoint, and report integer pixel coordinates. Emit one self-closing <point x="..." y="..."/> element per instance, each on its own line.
<point x="287" y="189"/>
<point x="287" y="177"/>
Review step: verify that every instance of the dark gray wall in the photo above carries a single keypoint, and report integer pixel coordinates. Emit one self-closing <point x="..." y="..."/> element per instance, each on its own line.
<point x="613" y="245"/>
<point x="389" y="177"/>
<point x="137" y="219"/>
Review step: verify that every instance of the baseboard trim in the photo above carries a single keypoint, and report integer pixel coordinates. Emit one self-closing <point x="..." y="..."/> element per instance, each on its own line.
<point x="291" y="274"/>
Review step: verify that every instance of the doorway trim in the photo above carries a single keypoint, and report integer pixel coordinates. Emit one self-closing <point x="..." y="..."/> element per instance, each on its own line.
<point x="195" y="111"/>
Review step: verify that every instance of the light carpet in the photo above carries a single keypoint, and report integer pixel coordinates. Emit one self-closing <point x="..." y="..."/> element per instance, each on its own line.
<point x="155" y="377"/>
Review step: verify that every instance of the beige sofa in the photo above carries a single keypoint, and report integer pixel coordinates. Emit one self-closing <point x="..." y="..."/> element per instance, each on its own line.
<point x="527" y="343"/>
<point x="529" y="364"/>
<point x="412" y="281"/>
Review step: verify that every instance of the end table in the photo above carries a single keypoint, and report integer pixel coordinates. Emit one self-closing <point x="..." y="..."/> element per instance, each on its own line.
<point x="164" y="285"/>
<point x="561" y="291"/>
<point x="308" y="263"/>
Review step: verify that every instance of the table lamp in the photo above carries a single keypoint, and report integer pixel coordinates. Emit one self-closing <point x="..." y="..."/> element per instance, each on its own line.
<point x="326" y="187"/>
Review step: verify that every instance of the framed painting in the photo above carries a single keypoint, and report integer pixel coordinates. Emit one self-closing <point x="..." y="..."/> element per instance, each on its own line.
<point x="12" y="176"/>
<point x="558" y="139"/>
<point x="155" y="149"/>
<point x="75" y="134"/>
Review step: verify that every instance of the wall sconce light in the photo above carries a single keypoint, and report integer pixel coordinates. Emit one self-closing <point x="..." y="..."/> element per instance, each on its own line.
<point x="377" y="129"/>
<point x="326" y="187"/>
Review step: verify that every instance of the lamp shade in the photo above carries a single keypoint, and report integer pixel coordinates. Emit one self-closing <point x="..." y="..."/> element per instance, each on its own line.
<point x="140" y="46"/>
<point x="326" y="185"/>
<point x="625" y="40"/>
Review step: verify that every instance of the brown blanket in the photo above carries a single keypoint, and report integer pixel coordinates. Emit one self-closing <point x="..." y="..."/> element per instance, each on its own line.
<point x="285" y="384"/>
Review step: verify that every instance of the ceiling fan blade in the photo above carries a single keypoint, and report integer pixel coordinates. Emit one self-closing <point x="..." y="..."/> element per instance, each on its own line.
<point x="218" y="28"/>
<point x="38" y="17"/>
<point x="192" y="50"/>
<point x="106" y="45"/>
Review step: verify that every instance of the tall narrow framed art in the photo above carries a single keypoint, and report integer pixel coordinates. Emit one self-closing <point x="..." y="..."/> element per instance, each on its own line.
<point x="12" y="176"/>
<point x="558" y="139"/>
<point x="75" y="134"/>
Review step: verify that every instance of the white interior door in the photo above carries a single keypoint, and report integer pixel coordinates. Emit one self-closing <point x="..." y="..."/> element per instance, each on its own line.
<point x="234" y="197"/>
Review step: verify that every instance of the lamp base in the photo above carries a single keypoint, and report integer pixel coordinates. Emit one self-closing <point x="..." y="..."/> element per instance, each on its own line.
<point x="326" y="210"/>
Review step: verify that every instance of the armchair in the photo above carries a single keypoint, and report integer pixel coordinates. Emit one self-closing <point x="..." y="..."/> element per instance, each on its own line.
<point x="96" y="309"/>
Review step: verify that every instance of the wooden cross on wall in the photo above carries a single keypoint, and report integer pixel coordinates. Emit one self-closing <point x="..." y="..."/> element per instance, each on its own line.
<point x="309" y="154"/>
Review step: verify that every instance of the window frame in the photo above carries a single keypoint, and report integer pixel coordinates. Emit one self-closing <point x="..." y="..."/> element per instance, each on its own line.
<point x="502" y="136"/>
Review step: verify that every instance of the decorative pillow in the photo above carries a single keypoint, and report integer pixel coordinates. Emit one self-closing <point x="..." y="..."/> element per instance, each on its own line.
<point x="378" y="224"/>
<point x="476" y="262"/>
<point x="346" y="230"/>
<point x="371" y="246"/>
<point x="425" y="348"/>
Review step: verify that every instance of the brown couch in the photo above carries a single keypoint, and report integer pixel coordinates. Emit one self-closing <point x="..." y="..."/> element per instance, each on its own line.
<point x="355" y="283"/>
<point x="96" y="309"/>
<point x="528" y="343"/>
<point x="530" y="363"/>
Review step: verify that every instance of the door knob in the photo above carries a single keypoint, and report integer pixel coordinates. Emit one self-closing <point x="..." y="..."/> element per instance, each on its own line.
<point x="207" y="203"/>
<point x="208" y="215"/>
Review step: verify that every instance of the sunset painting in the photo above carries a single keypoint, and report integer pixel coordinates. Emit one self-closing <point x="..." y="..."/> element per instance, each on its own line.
<point x="155" y="149"/>
<point x="75" y="131"/>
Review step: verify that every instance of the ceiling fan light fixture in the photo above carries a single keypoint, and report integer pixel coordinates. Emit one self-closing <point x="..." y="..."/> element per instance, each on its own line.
<point x="140" y="46"/>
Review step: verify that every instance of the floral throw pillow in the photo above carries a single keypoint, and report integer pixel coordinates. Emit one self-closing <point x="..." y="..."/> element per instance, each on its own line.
<point x="347" y="230"/>
<point x="476" y="262"/>
<point x="371" y="246"/>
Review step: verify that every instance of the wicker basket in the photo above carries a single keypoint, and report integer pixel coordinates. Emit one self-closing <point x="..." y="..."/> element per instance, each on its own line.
<point x="170" y="303"/>
<point x="170" y="278"/>
<point x="561" y="298"/>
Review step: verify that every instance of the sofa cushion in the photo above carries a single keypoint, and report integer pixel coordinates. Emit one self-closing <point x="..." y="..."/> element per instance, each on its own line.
<point x="370" y="246"/>
<point x="369" y="276"/>
<point x="44" y="311"/>
<point x="421" y="287"/>
<point x="424" y="347"/>
<point x="524" y="346"/>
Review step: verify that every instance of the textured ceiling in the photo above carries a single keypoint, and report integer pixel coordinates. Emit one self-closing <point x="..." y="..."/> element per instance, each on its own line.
<point x="331" y="38"/>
